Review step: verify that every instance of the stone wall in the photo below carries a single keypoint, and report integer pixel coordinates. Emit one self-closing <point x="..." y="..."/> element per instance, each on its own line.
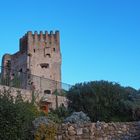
<point x="40" y="57"/>
<point x="27" y="95"/>
<point x="99" y="131"/>
<point x="44" y="59"/>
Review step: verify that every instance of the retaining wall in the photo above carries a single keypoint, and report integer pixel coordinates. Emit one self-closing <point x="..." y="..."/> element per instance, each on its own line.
<point x="27" y="95"/>
<point x="99" y="131"/>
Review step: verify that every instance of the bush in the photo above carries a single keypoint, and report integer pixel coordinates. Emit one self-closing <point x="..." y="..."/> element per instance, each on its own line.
<point x="46" y="132"/>
<point x="59" y="114"/>
<point x="16" y="117"/>
<point x="44" y="129"/>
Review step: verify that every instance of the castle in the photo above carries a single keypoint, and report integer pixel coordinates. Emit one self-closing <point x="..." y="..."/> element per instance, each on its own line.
<point x="38" y="59"/>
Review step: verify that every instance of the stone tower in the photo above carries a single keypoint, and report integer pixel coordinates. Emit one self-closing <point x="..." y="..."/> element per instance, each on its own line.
<point x="37" y="62"/>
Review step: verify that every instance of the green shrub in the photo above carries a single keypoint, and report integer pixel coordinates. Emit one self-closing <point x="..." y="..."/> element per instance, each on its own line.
<point x="59" y="114"/>
<point x="16" y="117"/>
<point x="46" y="132"/>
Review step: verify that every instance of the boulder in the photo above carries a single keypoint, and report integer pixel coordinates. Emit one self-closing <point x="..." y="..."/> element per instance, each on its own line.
<point x="77" y="118"/>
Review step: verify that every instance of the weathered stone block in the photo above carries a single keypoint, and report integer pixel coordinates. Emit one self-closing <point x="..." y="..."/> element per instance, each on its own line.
<point x="79" y="131"/>
<point x="71" y="132"/>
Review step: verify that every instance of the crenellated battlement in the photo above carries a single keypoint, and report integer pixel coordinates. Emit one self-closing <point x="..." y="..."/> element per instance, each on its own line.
<point x="43" y="34"/>
<point x="32" y="40"/>
<point x="39" y="55"/>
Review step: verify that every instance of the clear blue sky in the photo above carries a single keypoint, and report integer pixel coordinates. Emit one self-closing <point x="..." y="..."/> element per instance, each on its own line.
<point x="100" y="39"/>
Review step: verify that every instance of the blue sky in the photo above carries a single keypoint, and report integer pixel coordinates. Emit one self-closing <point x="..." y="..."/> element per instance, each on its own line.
<point x="100" y="39"/>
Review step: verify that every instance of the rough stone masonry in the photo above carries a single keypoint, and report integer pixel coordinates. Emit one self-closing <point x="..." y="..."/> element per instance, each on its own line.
<point x="99" y="131"/>
<point x="37" y="62"/>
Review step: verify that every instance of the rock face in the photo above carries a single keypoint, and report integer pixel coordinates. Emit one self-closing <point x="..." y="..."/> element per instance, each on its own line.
<point x="99" y="131"/>
<point x="77" y="118"/>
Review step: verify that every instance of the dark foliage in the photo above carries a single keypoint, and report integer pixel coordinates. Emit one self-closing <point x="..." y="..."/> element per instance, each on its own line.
<point x="59" y="114"/>
<point x="104" y="101"/>
<point x="16" y="117"/>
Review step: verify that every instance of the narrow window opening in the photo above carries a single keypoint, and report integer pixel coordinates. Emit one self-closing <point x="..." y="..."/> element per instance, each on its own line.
<point x="54" y="49"/>
<point x="47" y="91"/>
<point x="34" y="50"/>
<point x="29" y="76"/>
<point x="20" y="70"/>
<point x="49" y="55"/>
<point x="29" y="54"/>
<point x="8" y="64"/>
<point x="44" y="65"/>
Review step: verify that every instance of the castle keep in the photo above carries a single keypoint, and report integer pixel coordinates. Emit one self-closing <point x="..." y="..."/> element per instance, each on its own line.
<point x="38" y="59"/>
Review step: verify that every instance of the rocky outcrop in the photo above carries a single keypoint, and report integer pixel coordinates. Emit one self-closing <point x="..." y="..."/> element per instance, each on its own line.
<point x="78" y="118"/>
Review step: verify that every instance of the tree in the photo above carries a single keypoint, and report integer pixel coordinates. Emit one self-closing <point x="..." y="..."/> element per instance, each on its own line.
<point x="101" y="100"/>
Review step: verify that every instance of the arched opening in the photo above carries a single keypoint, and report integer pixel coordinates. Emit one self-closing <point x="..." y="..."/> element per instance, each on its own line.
<point x="48" y="55"/>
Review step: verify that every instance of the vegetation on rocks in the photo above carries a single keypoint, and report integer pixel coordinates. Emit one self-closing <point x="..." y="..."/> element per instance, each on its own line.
<point x="44" y="129"/>
<point x="45" y="132"/>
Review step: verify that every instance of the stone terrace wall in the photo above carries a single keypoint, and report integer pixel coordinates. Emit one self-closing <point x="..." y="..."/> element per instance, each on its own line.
<point x="27" y="96"/>
<point x="99" y="131"/>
